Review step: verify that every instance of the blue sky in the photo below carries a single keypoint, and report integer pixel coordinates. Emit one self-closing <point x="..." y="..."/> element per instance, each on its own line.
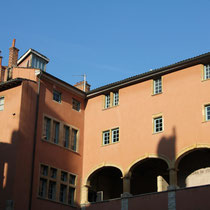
<point x="109" y="40"/>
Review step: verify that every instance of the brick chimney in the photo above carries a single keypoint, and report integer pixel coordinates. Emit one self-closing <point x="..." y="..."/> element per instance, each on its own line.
<point x="84" y="86"/>
<point x="13" y="55"/>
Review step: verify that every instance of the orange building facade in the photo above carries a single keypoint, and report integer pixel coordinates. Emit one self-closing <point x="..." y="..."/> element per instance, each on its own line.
<point x="143" y="141"/>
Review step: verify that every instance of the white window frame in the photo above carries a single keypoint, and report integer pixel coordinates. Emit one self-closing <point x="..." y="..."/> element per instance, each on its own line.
<point x="107" y="101"/>
<point x="207" y="112"/>
<point x="106" y="137"/>
<point x="115" y="135"/>
<point x="115" y="98"/>
<point x="157" y="86"/>
<point x="1" y="103"/>
<point x="158" y="124"/>
<point x="206" y="71"/>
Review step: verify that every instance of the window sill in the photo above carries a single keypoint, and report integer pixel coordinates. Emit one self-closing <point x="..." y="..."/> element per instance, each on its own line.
<point x="154" y="133"/>
<point x="60" y="146"/>
<point x="203" y="80"/>
<point x="110" y="107"/>
<point x="104" y="145"/>
<point x="155" y="94"/>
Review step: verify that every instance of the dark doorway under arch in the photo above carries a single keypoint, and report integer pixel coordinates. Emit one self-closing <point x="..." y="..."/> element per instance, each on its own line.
<point x="105" y="183"/>
<point x="149" y="175"/>
<point x="194" y="168"/>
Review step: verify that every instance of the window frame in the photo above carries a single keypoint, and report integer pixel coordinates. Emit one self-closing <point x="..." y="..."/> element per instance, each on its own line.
<point x="57" y="96"/>
<point x="206" y="72"/>
<point x="76" y="105"/>
<point x="111" y="136"/>
<point x="111" y="99"/>
<point x="207" y="112"/>
<point x="73" y="135"/>
<point x="157" y="86"/>
<point x="47" y="178"/>
<point x="2" y="99"/>
<point x="156" y="123"/>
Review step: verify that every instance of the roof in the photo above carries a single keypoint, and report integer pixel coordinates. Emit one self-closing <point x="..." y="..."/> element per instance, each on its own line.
<point x="26" y="54"/>
<point x="201" y="59"/>
<point x="10" y="84"/>
<point x="62" y="83"/>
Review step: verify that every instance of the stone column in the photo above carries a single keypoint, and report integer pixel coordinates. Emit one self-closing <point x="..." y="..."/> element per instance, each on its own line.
<point x="172" y="178"/>
<point x="84" y="194"/>
<point x="126" y="186"/>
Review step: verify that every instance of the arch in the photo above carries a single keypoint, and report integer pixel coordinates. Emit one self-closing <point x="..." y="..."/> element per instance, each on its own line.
<point x="149" y="173"/>
<point x="193" y="166"/>
<point x="99" y="167"/>
<point x="105" y="182"/>
<point x="146" y="156"/>
<point x="188" y="150"/>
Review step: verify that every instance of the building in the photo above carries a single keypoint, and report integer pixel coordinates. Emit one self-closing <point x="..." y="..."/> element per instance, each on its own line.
<point x="120" y="146"/>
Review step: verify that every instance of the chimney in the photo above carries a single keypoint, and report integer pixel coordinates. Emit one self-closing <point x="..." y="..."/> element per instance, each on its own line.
<point x="83" y="85"/>
<point x="0" y="61"/>
<point x="13" y="55"/>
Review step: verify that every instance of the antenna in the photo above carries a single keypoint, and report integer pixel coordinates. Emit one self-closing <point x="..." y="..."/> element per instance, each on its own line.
<point x="84" y="79"/>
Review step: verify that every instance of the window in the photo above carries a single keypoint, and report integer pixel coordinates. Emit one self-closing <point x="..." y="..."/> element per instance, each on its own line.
<point x="47" y="125"/>
<point x="115" y="98"/>
<point x="207" y="71"/>
<point x="56" y="96"/>
<point x="158" y="124"/>
<point x="106" y="137"/>
<point x="111" y="99"/>
<point x="66" y="136"/>
<point x="115" y="135"/>
<point x="76" y="105"/>
<point x="74" y="139"/>
<point x="110" y="134"/>
<point x="57" y="185"/>
<point x="56" y="126"/>
<point x="157" y="86"/>
<point x="58" y="133"/>
<point x="1" y="103"/>
<point x="107" y="101"/>
<point x="207" y="112"/>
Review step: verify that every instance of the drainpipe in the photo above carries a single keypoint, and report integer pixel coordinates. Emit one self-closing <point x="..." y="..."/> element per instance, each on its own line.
<point x="38" y="73"/>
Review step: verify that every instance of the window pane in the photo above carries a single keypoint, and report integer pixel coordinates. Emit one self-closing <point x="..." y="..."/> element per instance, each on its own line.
<point x="66" y="136"/>
<point x="76" y="104"/>
<point x="74" y="140"/>
<point x="63" y="176"/>
<point x="72" y="179"/>
<point x="207" y="71"/>
<point x="157" y="86"/>
<point x="71" y="196"/>
<point x="53" y="173"/>
<point x="107" y="101"/>
<point x="56" y="132"/>
<point x="52" y="190"/>
<point x="56" y="96"/>
<point x="158" y="124"/>
<point x="42" y="187"/>
<point x="63" y="192"/>
<point x="1" y="103"/>
<point x="106" y="136"/>
<point x="115" y="135"/>
<point x="115" y="98"/>
<point x="47" y="124"/>
<point x="207" y="112"/>
<point x="44" y="170"/>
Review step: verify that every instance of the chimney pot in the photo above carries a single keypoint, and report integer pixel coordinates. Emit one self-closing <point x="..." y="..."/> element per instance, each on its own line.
<point x="13" y="55"/>
<point x="13" y="42"/>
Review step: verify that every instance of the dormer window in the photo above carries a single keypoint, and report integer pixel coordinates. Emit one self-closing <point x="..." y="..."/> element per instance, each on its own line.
<point x="38" y="63"/>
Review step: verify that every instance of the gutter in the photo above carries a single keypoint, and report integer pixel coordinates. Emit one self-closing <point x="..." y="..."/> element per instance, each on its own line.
<point x="38" y="73"/>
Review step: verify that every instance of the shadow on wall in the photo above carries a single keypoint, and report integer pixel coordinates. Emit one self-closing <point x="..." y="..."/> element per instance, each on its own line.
<point x="8" y="156"/>
<point x="167" y="146"/>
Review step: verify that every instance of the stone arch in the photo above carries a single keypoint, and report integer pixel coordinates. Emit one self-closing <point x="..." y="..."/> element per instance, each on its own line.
<point x="104" y="183"/>
<point x="193" y="166"/>
<point x="149" y="174"/>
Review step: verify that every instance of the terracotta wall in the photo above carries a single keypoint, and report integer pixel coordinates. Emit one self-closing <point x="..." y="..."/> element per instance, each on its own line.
<point x="181" y="105"/>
